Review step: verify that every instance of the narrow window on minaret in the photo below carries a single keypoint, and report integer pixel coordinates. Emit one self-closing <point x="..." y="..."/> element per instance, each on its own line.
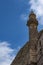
<point x="40" y="47"/>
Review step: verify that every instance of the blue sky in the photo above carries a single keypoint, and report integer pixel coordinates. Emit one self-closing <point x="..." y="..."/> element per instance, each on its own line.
<point x="13" y="30"/>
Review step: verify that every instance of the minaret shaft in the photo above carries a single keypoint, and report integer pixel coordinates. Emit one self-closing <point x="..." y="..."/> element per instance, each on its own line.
<point x="33" y="35"/>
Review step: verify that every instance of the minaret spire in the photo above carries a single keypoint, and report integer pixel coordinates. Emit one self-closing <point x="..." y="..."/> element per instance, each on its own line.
<point x="32" y="23"/>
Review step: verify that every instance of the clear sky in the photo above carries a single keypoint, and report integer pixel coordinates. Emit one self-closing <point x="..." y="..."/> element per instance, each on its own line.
<point x="13" y="30"/>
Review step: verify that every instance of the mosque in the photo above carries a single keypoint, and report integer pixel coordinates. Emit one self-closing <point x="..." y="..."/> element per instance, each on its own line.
<point x="32" y="52"/>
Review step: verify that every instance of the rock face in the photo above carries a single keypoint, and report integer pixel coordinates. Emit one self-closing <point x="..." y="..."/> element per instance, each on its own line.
<point x="32" y="52"/>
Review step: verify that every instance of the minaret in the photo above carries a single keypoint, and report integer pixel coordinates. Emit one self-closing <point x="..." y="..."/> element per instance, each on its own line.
<point x="33" y="35"/>
<point x="32" y="24"/>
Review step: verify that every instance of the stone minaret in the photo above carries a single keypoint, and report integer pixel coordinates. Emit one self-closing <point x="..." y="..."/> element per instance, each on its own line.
<point x="33" y="36"/>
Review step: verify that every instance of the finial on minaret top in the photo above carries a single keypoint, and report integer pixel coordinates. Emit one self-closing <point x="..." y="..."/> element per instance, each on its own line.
<point x="32" y="13"/>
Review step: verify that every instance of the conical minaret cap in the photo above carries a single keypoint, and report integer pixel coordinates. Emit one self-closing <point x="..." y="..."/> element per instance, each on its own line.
<point x="32" y="15"/>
